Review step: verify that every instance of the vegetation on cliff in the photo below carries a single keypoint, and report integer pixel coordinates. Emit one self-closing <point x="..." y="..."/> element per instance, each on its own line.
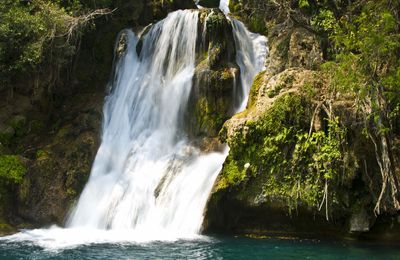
<point x="324" y="142"/>
<point x="39" y="33"/>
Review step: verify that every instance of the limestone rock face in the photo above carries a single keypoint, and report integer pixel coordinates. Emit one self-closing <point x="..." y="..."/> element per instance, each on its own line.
<point x="240" y="200"/>
<point x="293" y="48"/>
<point x="60" y="165"/>
<point x="304" y="50"/>
<point x="255" y="191"/>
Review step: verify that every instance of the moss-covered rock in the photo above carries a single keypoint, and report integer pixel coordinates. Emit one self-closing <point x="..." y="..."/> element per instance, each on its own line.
<point x="295" y="156"/>
<point x="6" y="229"/>
<point x="213" y="101"/>
<point x="252" y="13"/>
<point x="11" y="169"/>
<point x="216" y="75"/>
<point x="60" y="168"/>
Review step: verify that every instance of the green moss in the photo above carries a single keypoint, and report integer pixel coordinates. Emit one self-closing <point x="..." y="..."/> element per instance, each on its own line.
<point x="209" y="117"/>
<point x="289" y="163"/>
<point x="231" y="175"/>
<point x="257" y="24"/>
<point x="308" y="89"/>
<point x="258" y="82"/>
<point x="286" y="79"/>
<point x="11" y="169"/>
<point x="6" y="228"/>
<point x="41" y="154"/>
<point x="275" y="91"/>
<point x="213" y="104"/>
<point x="63" y="132"/>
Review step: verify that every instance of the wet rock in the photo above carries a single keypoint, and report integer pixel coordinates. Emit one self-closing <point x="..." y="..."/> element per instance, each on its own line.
<point x="6" y="229"/>
<point x="122" y="44"/>
<point x="61" y="164"/>
<point x="359" y="222"/>
<point x="212" y="98"/>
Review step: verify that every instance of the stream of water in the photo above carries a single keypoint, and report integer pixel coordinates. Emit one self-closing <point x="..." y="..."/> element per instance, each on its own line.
<point x="206" y="248"/>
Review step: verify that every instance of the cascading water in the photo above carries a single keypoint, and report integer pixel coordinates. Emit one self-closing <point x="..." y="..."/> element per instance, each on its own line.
<point x="146" y="177"/>
<point x="251" y="51"/>
<point x="224" y="6"/>
<point x="148" y="182"/>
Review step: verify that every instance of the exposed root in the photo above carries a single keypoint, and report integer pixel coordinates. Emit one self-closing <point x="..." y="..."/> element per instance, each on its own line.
<point x="383" y="158"/>
<point x="313" y="118"/>
<point x="325" y="199"/>
<point x="74" y="23"/>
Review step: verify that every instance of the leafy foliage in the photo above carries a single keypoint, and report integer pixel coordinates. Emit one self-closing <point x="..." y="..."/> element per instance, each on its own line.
<point x="26" y="32"/>
<point x="37" y="33"/>
<point x="367" y="65"/>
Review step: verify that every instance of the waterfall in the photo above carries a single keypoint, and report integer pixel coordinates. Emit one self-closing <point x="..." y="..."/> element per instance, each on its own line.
<point x="147" y="181"/>
<point x="146" y="176"/>
<point x="251" y="52"/>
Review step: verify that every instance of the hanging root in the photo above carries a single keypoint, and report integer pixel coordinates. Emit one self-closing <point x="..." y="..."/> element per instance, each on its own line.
<point x="382" y="154"/>
<point x="317" y="108"/>
<point x="325" y="199"/>
<point x="388" y="178"/>
<point x="74" y="23"/>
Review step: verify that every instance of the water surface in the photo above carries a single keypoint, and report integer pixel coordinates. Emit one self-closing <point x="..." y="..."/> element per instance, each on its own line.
<point x="206" y="248"/>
